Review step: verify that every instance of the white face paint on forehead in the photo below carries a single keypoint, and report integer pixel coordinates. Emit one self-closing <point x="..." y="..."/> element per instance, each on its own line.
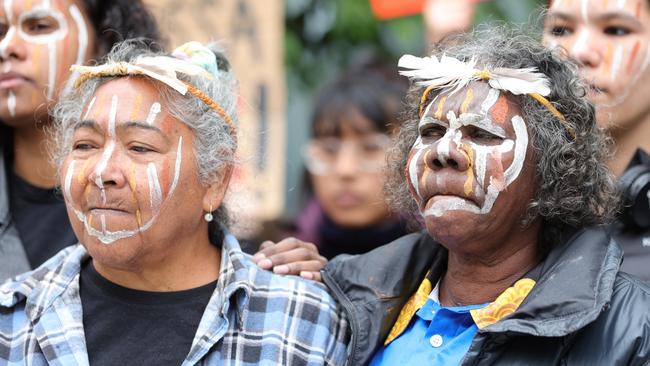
<point x="156" y="197"/>
<point x="479" y="156"/>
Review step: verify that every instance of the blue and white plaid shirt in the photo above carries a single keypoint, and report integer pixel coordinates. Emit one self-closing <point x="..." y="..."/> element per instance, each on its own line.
<point x="253" y="318"/>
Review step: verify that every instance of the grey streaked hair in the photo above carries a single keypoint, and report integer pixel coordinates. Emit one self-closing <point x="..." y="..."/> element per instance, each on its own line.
<point x="215" y="144"/>
<point x="574" y="186"/>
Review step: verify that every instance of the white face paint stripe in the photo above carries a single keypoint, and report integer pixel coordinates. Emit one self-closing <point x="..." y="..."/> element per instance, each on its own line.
<point x="102" y="218"/>
<point x="490" y="100"/>
<point x="82" y="34"/>
<point x="557" y="3"/>
<point x="520" y="150"/>
<point x="620" y="4"/>
<point x="90" y="106"/>
<point x="7" y="66"/>
<point x="99" y="170"/>
<point x="480" y="161"/>
<point x="177" y="166"/>
<point x="52" y="71"/>
<point x="68" y="181"/>
<point x="46" y="4"/>
<point x="11" y="103"/>
<point x="616" y="63"/>
<point x="413" y="172"/>
<point x="112" y="116"/>
<point x="646" y="62"/>
<point x="153" y="112"/>
<point x="581" y="42"/>
<point x="583" y="9"/>
<point x="155" y="193"/>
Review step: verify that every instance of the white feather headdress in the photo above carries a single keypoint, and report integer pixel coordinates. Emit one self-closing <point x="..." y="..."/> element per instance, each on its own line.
<point x="449" y="72"/>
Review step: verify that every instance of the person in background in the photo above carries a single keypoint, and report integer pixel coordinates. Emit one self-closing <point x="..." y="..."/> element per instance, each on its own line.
<point x="346" y="212"/>
<point x="39" y="41"/>
<point x="502" y="158"/>
<point x="145" y="148"/>
<point x="611" y="42"/>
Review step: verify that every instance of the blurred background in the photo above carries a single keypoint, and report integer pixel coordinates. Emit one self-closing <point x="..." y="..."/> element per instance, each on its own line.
<point x="284" y="51"/>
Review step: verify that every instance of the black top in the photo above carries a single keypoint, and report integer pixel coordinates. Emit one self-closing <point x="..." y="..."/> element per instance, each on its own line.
<point x="130" y="327"/>
<point x="41" y="219"/>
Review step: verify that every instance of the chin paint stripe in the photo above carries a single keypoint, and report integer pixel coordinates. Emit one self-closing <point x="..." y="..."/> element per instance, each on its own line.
<point x="616" y="62"/>
<point x="112" y="116"/>
<point x="633" y="55"/>
<point x="11" y="103"/>
<point x="155" y="193"/>
<point x="520" y="150"/>
<point x="153" y="112"/>
<point x="90" y="107"/>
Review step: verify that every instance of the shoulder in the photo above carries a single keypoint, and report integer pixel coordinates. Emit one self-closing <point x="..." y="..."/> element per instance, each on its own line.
<point x="54" y="274"/>
<point x="623" y="327"/>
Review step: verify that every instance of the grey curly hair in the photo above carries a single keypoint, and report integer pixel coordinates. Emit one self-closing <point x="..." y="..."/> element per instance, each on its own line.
<point x="215" y="143"/>
<point x="574" y="186"/>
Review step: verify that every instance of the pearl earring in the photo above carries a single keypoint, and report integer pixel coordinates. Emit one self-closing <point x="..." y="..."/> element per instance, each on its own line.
<point x="208" y="215"/>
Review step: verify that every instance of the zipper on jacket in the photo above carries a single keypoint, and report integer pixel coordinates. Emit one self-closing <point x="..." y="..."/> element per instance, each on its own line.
<point x="347" y="306"/>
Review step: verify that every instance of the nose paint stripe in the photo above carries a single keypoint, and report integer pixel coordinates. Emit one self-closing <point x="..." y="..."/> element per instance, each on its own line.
<point x="155" y="193"/>
<point x="112" y="115"/>
<point x="11" y="103"/>
<point x="153" y="112"/>
<point x="5" y="41"/>
<point x="108" y="151"/>
<point x="583" y="10"/>
<point x="616" y="63"/>
<point x="581" y="42"/>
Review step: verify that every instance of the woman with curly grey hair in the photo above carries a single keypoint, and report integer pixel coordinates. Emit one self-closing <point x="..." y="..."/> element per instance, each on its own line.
<point x="501" y="159"/>
<point x="145" y="147"/>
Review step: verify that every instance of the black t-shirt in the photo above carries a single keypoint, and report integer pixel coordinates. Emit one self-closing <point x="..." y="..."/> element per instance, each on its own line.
<point x="41" y="219"/>
<point x="130" y="327"/>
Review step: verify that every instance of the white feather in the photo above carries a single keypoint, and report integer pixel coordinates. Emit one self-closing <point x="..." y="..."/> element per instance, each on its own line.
<point x="451" y="73"/>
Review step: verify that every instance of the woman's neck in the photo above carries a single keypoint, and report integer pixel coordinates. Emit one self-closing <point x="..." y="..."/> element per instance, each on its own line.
<point x="481" y="278"/>
<point x="31" y="160"/>
<point x="627" y="142"/>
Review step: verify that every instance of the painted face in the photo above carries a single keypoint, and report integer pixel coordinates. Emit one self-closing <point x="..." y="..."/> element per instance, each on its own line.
<point x="123" y="176"/>
<point x="611" y="40"/>
<point x="41" y="39"/>
<point x="351" y="190"/>
<point x="472" y="146"/>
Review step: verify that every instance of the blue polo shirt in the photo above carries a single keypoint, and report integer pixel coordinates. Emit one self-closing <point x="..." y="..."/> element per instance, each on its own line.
<point x="436" y="335"/>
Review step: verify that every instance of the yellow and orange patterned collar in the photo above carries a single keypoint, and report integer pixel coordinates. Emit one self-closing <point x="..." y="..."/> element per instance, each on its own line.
<point x="504" y="305"/>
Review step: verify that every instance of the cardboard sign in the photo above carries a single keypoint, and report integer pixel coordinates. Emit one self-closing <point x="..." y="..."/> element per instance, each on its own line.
<point x="252" y="34"/>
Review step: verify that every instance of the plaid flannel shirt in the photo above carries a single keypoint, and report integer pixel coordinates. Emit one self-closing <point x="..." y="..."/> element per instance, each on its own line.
<point x="253" y="317"/>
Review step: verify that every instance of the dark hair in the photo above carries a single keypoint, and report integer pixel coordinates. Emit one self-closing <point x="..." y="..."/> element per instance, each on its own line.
<point x="116" y="20"/>
<point x="574" y="186"/>
<point x="373" y="90"/>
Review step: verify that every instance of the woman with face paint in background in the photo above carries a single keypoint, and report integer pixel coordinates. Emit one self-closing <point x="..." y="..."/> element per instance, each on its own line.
<point x="39" y="41"/>
<point x="611" y="42"/>
<point x="145" y="147"/>
<point x="501" y="157"/>
<point x="346" y="163"/>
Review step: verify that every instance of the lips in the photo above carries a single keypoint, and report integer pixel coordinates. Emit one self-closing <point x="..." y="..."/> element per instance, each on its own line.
<point x="347" y="199"/>
<point x="11" y="80"/>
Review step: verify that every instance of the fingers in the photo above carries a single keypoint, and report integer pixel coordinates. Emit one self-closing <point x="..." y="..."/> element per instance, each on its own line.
<point x="291" y="257"/>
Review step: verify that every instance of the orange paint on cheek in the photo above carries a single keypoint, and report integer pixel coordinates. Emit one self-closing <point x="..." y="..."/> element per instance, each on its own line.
<point x="633" y="54"/>
<point x="81" y="176"/>
<point x="468" y="100"/>
<point x="441" y="105"/>
<point x="500" y="110"/>
<point x="608" y="56"/>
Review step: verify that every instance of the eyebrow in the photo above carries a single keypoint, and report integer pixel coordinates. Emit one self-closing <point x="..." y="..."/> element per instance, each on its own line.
<point x="611" y="15"/>
<point x="87" y="123"/>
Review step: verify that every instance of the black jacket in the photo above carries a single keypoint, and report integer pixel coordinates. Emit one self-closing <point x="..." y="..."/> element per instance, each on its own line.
<point x="582" y="311"/>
